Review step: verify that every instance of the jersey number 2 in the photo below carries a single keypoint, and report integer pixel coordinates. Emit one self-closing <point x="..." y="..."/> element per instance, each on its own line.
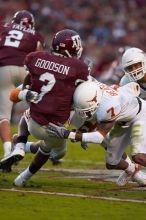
<point x="14" y="38"/>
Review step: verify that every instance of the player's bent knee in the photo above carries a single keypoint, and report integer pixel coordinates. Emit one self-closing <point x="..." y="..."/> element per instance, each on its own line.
<point x="57" y="154"/>
<point x="61" y="154"/>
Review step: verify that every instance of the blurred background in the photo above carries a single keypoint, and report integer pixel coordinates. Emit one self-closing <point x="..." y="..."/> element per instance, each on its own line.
<point x="106" y="27"/>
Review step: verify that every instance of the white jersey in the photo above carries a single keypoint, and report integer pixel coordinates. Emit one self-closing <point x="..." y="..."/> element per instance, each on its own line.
<point x="133" y="131"/>
<point x="120" y="105"/>
<point x="125" y="80"/>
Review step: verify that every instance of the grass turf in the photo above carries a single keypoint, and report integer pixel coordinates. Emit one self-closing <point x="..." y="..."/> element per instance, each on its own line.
<point x="25" y="205"/>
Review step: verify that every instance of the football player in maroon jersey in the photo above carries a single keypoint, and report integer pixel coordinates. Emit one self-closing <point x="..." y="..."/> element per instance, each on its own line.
<point x="54" y="77"/>
<point x="17" y="39"/>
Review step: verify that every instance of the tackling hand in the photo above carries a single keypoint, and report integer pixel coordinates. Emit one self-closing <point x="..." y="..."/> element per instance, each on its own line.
<point x="84" y="145"/>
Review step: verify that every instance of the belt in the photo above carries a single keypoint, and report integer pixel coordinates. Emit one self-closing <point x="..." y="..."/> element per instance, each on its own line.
<point x="140" y="104"/>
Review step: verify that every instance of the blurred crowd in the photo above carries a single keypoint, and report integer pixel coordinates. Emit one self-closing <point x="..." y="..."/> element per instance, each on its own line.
<point x="104" y="25"/>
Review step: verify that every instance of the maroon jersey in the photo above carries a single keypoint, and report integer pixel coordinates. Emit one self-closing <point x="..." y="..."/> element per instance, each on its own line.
<point x="16" y="42"/>
<point x="54" y="78"/>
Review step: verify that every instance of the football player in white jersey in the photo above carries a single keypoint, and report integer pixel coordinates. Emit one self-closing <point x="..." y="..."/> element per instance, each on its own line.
<point x="134" y="67"/>
<point x="105" y="107"/>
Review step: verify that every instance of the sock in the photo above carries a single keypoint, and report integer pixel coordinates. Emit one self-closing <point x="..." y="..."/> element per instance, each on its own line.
<point x="131" y="168"/>
<point x="27" y="148"/>
<point x="33" y="168"/>
<point x="7" y="148"/>
<point x="128" y="160"/>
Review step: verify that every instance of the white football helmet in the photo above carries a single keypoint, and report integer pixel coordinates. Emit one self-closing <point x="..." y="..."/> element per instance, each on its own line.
<point x="87" y="98"/>
<point x="134" y="56"/>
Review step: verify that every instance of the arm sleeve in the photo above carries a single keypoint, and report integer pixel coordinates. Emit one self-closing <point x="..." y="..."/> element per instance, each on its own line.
<point x="27" y="81"/>
<point x="40" y="39"/>
<point x="93" y="137"/>
<point x="125" y="80"/>
<point x="83" y="72"/>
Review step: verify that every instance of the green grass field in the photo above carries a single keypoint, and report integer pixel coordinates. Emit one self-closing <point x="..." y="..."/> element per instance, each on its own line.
<point x="78" y="189"/>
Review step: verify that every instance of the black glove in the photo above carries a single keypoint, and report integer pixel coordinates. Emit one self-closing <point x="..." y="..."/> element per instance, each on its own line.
<point x="32" y="96"/>
<point x="29" y="96"/>
<point x="58" y="130"/>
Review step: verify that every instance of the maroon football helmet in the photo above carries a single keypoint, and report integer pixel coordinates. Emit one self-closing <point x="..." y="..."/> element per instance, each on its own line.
<point x="24" y="18"/>
<point x="67" y="43"/>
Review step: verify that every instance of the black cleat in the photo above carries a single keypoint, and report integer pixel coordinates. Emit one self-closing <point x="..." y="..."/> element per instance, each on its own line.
<point x="6" y="163"/>
<point x="7" y="169"/>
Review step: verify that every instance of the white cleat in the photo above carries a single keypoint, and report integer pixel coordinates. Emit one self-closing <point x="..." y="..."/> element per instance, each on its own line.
<point x="140" y="178"/>
<point x="123" y="179"/>
<point x="20" y="180"/>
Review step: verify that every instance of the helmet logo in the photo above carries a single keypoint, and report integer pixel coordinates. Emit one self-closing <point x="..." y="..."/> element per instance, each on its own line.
<point x="94" y="100"/>
<point x="76" y="42"/>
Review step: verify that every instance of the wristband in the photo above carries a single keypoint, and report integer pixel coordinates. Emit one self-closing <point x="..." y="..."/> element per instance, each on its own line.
<point x="72" y="135"/>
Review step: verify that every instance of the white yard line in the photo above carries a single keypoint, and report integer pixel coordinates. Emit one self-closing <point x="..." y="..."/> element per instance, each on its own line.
<point x="106" y="175"/>
<point x="78" y="171"/>
<point x="78" y="161"/>
<point x="74" y="195"/>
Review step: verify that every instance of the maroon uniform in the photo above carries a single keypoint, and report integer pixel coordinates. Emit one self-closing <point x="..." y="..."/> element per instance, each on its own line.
<point x="54" y="78"/>
<point x="16" y="41"/>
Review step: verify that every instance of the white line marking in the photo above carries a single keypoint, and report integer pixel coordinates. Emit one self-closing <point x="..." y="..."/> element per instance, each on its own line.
<point x="74" y="195"/>
<point x="78" y="161"/>
<point x="78" y="171"/>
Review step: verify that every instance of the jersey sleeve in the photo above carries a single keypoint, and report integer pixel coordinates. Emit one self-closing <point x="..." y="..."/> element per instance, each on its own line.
<point x="40" y="39"/>
<point x="2" y="26"/>
<point x="83" y="72"/>
<point x="125" y="80"/>
<point x="27" y="82"/>
<point x="28" y="60"/>
<point x="132" y="88"/>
